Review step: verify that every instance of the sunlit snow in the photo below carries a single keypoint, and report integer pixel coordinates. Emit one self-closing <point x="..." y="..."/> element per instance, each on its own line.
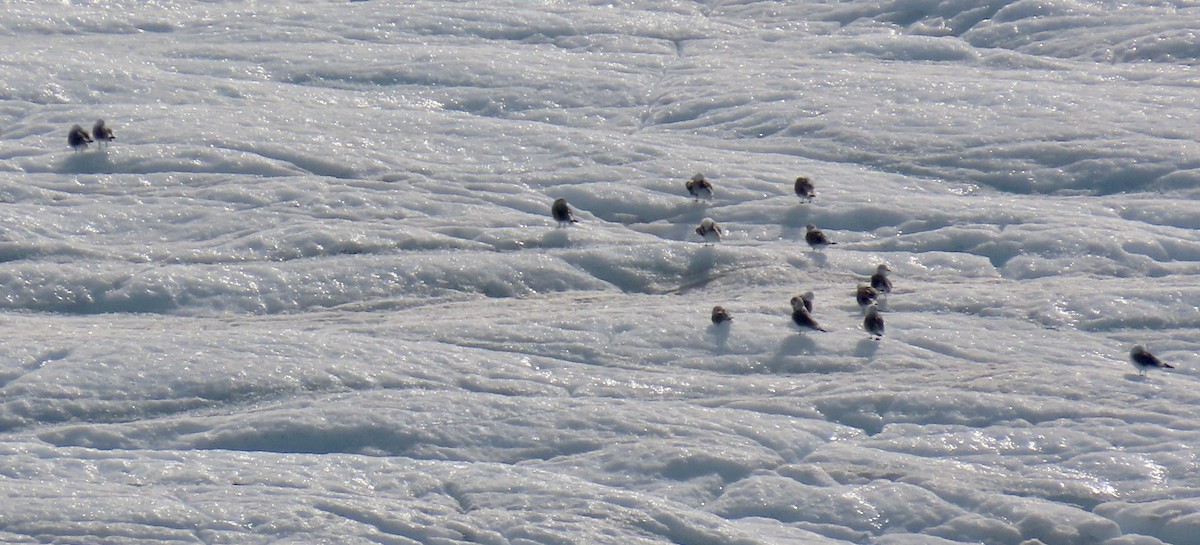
<point x="313" y="292"/>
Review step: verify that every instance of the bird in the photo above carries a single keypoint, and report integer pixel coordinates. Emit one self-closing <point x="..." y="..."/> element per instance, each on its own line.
<point x="102" y="132"/>
<point x="78" y="138"/>
<point x="802" y="318"/>
<point x="873" y="323"/>
<point x="816" y="238"/>
<point x="804" y="300"/>
<point x="562" y="213"/>
<point x="1144" y="360"/>
<point x="720" y="315"/>
<point x="709" y="230"/>
<point x="865" y="295"/>
<point x="880" y="280"/>
<point x="805" y="189"/>
<point x="700" y="188"/>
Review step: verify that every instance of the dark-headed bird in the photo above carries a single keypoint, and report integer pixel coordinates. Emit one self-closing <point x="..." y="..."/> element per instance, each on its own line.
<point x="1144" y="360"/>
<point x="805" y="320"/>
<point x="805" y="189"/>
<point x="816" y="238"/>
<point x="865" y="295"/>
<point x="804" y="300"/>
<point x="78" y="138"/>
<point x="700" y="188"/>
<point x="562" y="213"/>
<point x="873" y="323"/>
<point x="880" y="280"/>
<point x="102" y="133"/>
<point x="720" y="315"/>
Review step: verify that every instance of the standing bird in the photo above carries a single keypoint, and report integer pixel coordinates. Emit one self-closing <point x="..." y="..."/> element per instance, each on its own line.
<point x="802" y="318"/>
<point x="562" y="213"/>
<point x="102" y="132"/>
<point x="1144" y="360"/>
<point x="880" y="280"/>
<point x="709" y="230"/>
<point x="865" y="295"/>
<point x="78" y="138"/>
<point x="804" y="300"/>
<point x="700" y="188"/>
<point x="873" y="323"/>
<point x="805" y="189"/>
<point x="720" y="315"/>
<point x="816" y="238"/>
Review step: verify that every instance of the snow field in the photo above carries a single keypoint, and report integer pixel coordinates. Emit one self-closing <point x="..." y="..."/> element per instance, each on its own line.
<point x="313" y="293"/>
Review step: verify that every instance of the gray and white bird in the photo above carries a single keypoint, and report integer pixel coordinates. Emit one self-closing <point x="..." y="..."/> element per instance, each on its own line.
<point x="720" y="315"/>
<point x="102" y="133"/>
<point x="709" y="231"/>
<point x="865" y="295"/>
<point x="562" y="213"/>
<point x="880" y="280"/>
<point x="804" y="301"/>
<point x="804" y="189"/>
<point x="816" y="238"/>
<point x="700" y="188"/>
<point x="78" y="138"/>
<point x="1144" y="360"/>
<point x="873" y="323"/>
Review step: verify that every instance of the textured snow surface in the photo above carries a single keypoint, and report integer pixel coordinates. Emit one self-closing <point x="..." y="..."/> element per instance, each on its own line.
<point x="313" y="292"/>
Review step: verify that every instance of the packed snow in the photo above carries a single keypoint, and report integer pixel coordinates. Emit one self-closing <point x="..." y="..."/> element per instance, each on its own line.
<point x="313" y="292"/>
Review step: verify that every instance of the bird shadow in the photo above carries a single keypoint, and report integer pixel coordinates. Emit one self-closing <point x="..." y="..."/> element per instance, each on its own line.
<point x="702" y="261"/>
<point x="686" y="214"/>
<point x="558" y="238"/>
<point x="800" y="342"/>
<point x="88" y="162"/>
<point x="792" y="345"/>
<point x="866" y="348"/>
<point x="798" y="216"/>
<point x="720" y="335"/>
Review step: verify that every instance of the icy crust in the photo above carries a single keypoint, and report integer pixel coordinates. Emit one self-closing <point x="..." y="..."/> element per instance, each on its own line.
<point x="415" y="503"/>
<point x="823" y="73"/>
<point x="313" y="292"/>
<point x="185" y="243"/>
<point x="960" y="448"/>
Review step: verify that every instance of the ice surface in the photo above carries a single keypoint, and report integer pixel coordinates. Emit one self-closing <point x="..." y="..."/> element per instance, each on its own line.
<point x="314" y="294"/>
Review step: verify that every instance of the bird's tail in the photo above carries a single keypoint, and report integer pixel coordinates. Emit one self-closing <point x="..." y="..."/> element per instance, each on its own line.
<point x="1168" y="366"/>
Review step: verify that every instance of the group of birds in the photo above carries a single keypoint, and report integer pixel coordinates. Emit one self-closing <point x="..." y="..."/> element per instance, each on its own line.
<point x="700" y="188"/>
<point x="867" y="294"/>
<point x="79" y="139"/>
<point x="802" y="305"/>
